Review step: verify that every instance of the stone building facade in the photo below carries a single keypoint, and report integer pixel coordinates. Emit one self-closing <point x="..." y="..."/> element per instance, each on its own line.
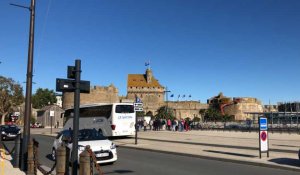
<point x="147" y="89"/>
<point x="143" y="86"/>
<point x="241" y="105"/>
<point x="236" y="106"/>
<point x="98" y="94"/>
<point x="184" y="109"/>
<point x="44" y="118"/>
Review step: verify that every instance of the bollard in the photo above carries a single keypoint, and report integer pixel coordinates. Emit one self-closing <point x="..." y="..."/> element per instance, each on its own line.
<point x="30" y="158"/>
<point x="85" y="163"/>
<point x="16" y="160"/>
<point x="61" y="160"/>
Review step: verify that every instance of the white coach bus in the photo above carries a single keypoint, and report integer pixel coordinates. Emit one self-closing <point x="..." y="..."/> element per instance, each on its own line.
<point x="112" y="119"/>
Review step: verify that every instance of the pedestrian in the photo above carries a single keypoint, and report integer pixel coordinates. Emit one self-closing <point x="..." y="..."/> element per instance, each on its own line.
<point x="169" y="124"/>
<point x="155" y="125"/>
<point x="151" y="124"/>
<point x="173" y="125"/>
<point x="145" y="125"/>
<point x="176" y="124"/>
<point x="186" y="125"/>
<point x="159" y="124"/>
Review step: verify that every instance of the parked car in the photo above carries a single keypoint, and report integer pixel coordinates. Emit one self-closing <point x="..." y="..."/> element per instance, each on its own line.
<point x="36" y="125"/>
<point x="9" y="132"/>
<point x="104" y="149"/>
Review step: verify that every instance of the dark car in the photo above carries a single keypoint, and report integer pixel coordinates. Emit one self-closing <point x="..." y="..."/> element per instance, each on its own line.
<point x="9" y="132"/>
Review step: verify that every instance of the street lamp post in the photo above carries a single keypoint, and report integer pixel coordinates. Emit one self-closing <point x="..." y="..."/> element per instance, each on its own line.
<point x="166" y="91"/>
<point x="26" y="131"/>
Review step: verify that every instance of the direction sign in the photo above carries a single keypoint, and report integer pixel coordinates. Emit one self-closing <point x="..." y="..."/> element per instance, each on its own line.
<point x="138" y="106"/>
<point x="68" y="85"/>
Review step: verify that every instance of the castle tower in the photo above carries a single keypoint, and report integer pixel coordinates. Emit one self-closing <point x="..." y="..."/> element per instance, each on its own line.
<point x="147" y="88"/>
<point x="149" y="75"/>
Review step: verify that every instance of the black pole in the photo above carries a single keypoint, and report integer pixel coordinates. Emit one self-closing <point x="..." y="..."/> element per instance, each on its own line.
<point x="259" y="137"/>
<point x="76" y="117"/>
<point x="51" y="118"/>
<point x="26" y="131"/>
<point x="16" y="160"/>
<point x="136" y="129"/>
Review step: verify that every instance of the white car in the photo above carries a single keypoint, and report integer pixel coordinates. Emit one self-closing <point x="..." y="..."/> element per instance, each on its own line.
<point x="104" y="149"/>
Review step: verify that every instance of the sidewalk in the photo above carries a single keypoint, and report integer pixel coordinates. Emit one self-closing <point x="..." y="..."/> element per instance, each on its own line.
<point x="6" y="167"/>
<point x="240" y="147"/>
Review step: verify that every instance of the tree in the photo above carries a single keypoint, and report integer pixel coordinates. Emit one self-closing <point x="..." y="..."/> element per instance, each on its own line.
<point x="43" y="97"/>
<point x="212" y="115"/>
<point x="202" y="113"/>
<point x="11" y="95"/>
<point x="165" y="113"/>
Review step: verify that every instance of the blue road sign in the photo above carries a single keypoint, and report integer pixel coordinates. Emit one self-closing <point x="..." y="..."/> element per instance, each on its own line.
<point x="263" y="124"/>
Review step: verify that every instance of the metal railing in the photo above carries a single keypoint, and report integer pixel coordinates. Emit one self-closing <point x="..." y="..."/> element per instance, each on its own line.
<point x="88" y="161"/>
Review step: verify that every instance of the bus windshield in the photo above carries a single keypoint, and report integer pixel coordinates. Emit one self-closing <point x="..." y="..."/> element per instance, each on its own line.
<point x="124" y="109"/>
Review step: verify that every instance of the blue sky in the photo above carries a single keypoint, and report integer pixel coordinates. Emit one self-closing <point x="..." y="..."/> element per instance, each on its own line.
<point x="243" y="48"/>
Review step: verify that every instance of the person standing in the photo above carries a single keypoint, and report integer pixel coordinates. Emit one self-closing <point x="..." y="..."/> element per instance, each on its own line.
<point x="169" y="124"/>
<point x="145" y="125"/>
<point x="151" y="124"/>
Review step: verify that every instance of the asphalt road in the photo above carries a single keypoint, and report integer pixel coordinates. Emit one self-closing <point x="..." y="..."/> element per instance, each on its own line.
<point x="131" y="161"/>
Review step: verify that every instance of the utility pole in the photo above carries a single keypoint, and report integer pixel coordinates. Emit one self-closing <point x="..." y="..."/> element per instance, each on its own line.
<point x="166" y="91"/>
<point x="76" y="117"/>
<point x="26" y="131"/>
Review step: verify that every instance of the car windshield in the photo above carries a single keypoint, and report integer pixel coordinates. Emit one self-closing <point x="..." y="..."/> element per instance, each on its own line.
<point x="10" y="128"/>
<point x="90" y="134"/>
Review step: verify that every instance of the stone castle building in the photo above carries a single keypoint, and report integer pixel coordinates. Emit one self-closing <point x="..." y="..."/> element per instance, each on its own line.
<point x="98" y="94"/>
<point x="143" y="86"/>
<point x="184" y="109"/>
<point x="236" y="106"/>
<point x="146" y="88"/>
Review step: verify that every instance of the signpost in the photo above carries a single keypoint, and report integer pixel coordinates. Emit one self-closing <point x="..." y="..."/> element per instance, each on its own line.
<point x="263" y="136"/>
<point x="51" y="119"/>
<point x="74" y="84"/>
<point x="138" y="106"/>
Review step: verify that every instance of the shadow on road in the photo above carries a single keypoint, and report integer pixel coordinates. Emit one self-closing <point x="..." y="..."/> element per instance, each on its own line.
<point x="230" y="153"/>
<point x="119" y="172"/>
<point x="286" y="161"/>
<point x="286" y="145"/>
<point x="120" y="137"/>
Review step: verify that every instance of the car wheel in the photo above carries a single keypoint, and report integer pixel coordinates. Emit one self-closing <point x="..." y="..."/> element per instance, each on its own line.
<point x="53" y="154"/>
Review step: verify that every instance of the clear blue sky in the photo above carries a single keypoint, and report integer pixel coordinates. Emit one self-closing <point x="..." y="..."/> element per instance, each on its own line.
<point x="243" y="48"/>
